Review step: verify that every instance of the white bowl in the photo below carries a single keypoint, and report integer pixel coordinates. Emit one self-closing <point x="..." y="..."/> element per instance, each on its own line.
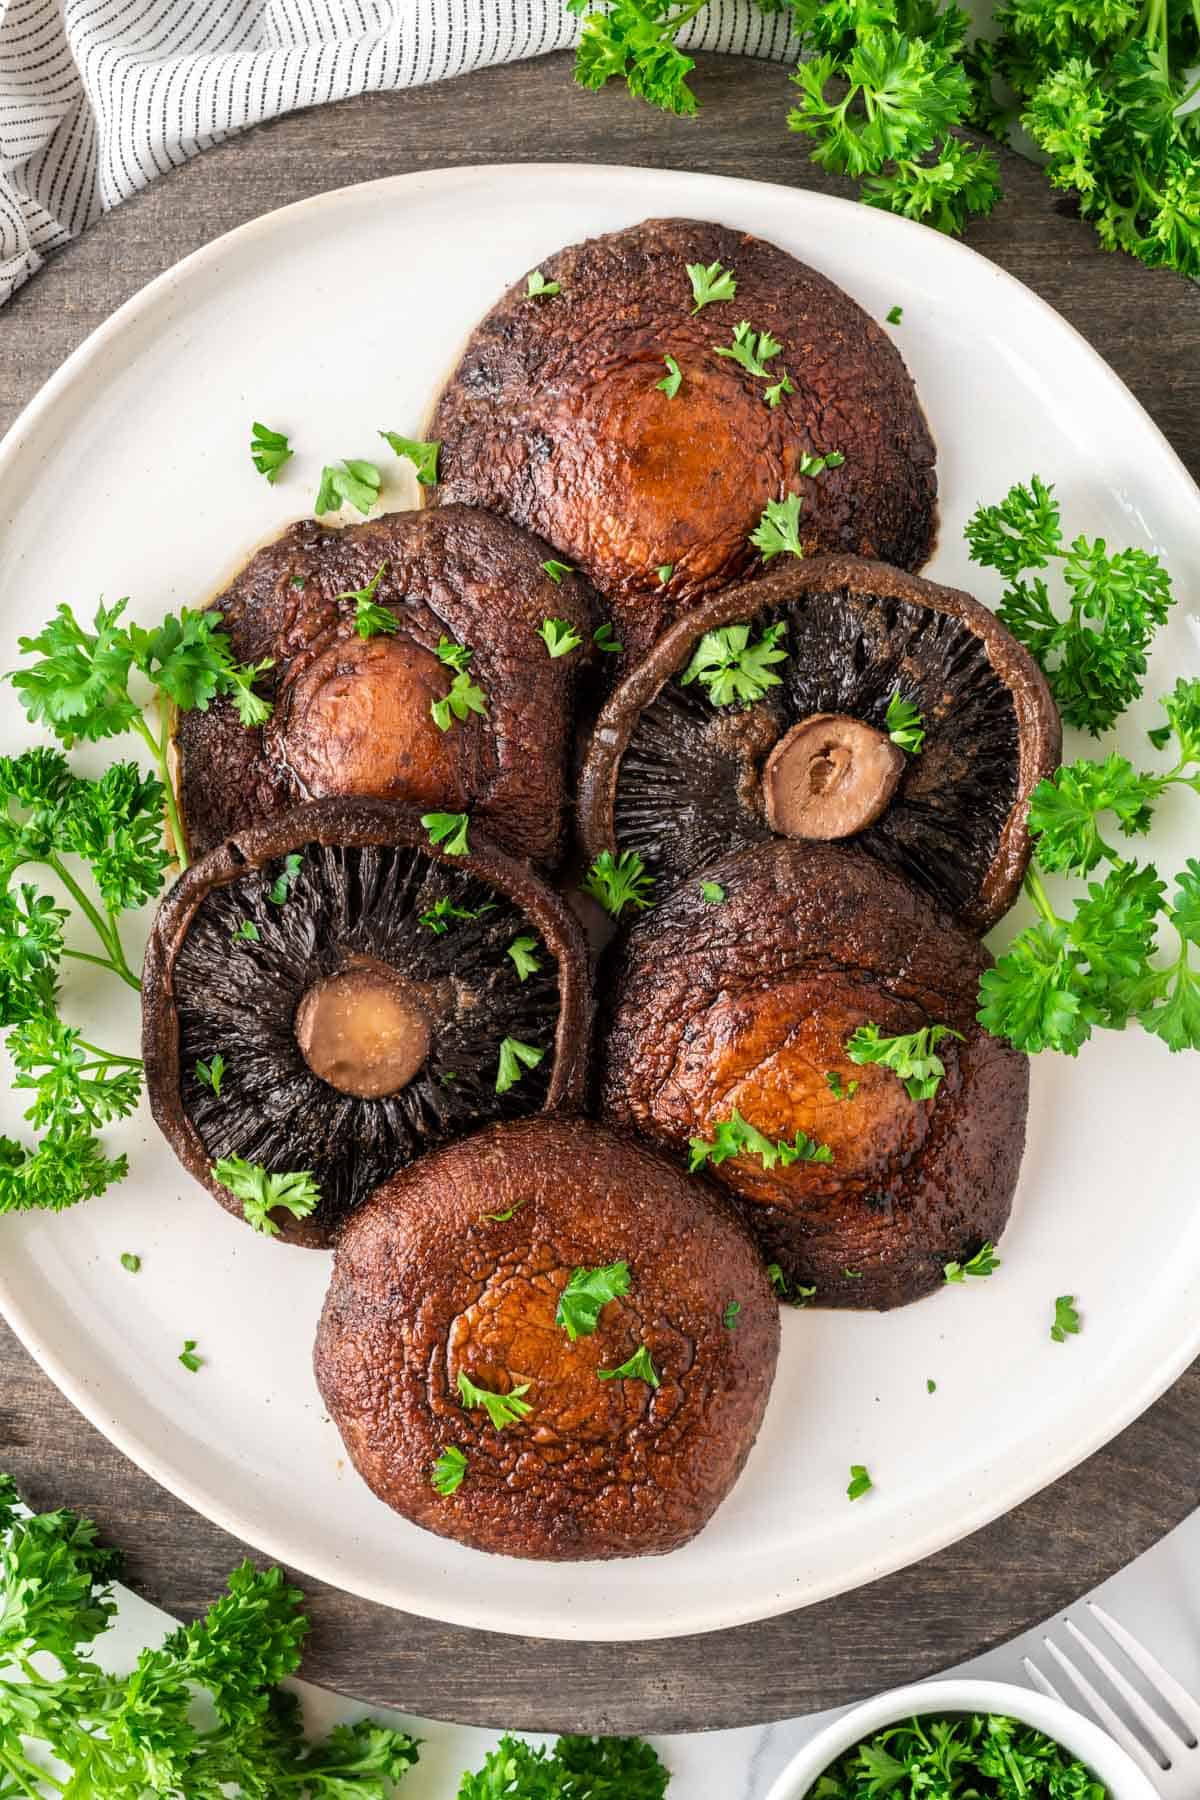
<point x="1106" y="1759"/>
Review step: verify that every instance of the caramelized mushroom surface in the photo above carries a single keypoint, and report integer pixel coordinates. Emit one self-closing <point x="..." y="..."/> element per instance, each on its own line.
<point x="749" y="1006"/>
<point x="558" y="417"/>
<point x="354" y="715"/>
<point x="359" y="988"/>
<point x="457" y="1267"/>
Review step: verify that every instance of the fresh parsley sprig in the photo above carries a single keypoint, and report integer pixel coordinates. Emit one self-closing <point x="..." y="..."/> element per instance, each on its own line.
<point x="778" y="531"/>
<point x="502" y="1409"/>
<point x="619" y="881"/>
<point x="260" y="1192"/>
<point x="634" y="40"/>
<point x="735" y="1136"/>
<point x="586" y="1295"/>
<point x="422" y="456"/>
<point x="731" y="668"/>
<point x="911" y="1056"/>
<point x="1095" y="657"/>
<point x="355" y="483"/>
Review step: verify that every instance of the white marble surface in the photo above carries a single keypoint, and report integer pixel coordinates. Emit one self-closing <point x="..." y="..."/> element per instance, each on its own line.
<point x="1158" y="1597"/>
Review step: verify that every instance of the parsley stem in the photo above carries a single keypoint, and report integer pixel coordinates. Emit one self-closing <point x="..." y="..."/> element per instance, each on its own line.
<point x="23" y="1771"/>
<point x="109" y="1057"/>
<point x="105" y="930"/>
<point x="101" y="962"/>
<point x="1039" y="896"/>
<point x="158" y="748"/>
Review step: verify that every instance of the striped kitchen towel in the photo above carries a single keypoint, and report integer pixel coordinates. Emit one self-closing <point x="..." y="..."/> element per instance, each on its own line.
<point x="97" y="97"/>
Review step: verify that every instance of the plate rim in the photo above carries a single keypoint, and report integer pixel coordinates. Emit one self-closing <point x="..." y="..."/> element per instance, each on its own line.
<point x="891" y="1556"/>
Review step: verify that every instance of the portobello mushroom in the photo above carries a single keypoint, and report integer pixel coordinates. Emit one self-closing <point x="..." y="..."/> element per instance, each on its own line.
<point x="745" y="1011"/>
<point x="682" y="780"/>
<point x="448" y="1285"/>
<point x="369" y="996"/>
<point x="565" y="415"/>
<point x="353" y="714"/>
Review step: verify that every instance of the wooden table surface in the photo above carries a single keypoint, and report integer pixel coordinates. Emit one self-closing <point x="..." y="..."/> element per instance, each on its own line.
<point x="976" y="1594"/>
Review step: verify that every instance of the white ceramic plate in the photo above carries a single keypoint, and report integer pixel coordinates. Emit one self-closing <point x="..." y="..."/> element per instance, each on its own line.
<point x="130" y="474"/>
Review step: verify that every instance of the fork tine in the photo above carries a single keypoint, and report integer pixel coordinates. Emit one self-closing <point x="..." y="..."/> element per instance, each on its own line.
<point x="1112" y="1722"/>
<point x="1177" y="1697"/>
<point x="1152" y="1723"/>
<point x="1041" y="1682"/>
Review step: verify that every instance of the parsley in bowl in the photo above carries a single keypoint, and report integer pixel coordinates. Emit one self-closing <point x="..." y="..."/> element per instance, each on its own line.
<point x="962" y="1740"/>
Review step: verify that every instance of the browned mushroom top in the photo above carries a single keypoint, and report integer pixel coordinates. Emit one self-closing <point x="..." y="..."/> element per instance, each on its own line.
<point x="682" y="780"/>
<point x="561" y="416"/>
<point x="355" y="715"/>
<point x="455" y="1271"/>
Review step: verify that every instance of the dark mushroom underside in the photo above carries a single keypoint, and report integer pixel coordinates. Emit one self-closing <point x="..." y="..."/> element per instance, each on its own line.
<point x="689" y="786"/>
<point x="347" y="908"/>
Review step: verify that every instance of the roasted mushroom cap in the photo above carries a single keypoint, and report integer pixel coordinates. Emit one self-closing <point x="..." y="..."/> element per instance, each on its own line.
<point x="749" y="1006"/>
<point x="352" y="715"/>
<point x="357" y="985"/>
<point x="682" y="782"/>
<point x="456" y="1268"/>
<point x="557" y="417"/>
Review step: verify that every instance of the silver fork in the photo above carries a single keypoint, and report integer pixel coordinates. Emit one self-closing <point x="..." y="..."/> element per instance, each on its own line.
<point x="1167" y="1748"/>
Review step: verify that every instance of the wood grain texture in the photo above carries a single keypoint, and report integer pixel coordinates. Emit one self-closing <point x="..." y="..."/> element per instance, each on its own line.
<point x="968" y="1598"/>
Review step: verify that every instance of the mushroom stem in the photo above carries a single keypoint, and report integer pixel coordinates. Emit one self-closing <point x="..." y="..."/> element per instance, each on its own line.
<point x="362" y="1030"/>
<point x="829" y="777"/>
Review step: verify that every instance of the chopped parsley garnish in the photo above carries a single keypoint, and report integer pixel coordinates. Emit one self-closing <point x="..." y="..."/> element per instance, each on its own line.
<point x="423" y="457"/>
<point x="1066" y="1319"/>
<point x="280" y="889"/>
<point x="522" y="951"/>
<point x="246" y="929"/>
<point x="603" y="639"/>
<point x="895" y="314"/>
<point x="778" y="531"/>
<point x="1095" y="657"/>
<point x="729" y="1318"/>
<point x="585" y="1296"/>
<point x="751" y="350"/>
<point x="130" y="1262"/>
<point x="841" y="1090"/>
<point x="817" y="465"/>
<point x="930" y="1385"/>
<point x="538" y="287"/>
<point x="501" y="1409"/>
<point x="370" y="619"/>
<point x="732" y="668"/>
<point x="735" y="1137"/>
<point x="354" y="484"/>
<point x="212" y="1074"/>
<point x="556" y="571"/>
<point x="984" y="1262"/>
<point x="463" y="699"/>
<point x="260" y="1191"/>
<point x="515" y="1058"/>
<point x="712" y="892"/>
<point x="188" y="1357"/>
<point x="860" y="1482"/>
<point x="852" y="1274"/>
<point x="904" y="724"/>
<point x="796" y="1296"/>
<point x="983" y="1755"/>
<point x="269" y="450"/>
<point x="502" y="1218"/>
<point x="448" y="1471"/>
<point x="455" y="656"/>
<point x="910" y="1056"/>
<point x="559" y="636"/>
<point x="711" y="283"/>
<point x="774" y="394"/>
<point x="449" y="830"/>
<point x="664" y="572"/>
<point x="671" y="381"/>
<point x="437" y="918"/>
<point x="638" y="1368"/>
<point x="619" y="881"/>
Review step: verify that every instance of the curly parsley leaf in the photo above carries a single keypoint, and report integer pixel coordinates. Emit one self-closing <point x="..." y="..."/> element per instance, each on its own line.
<point x="735" y="1136"/>
<point x="672" y="380"/>
<point x="422" y="456"/>
<point x="634" y="41"/>
<point x="449" y="830"/>
<point x="260" y="1192"/>
<point x="438" y="917"/>
<point x="910" y="1056"/>
<point x="353" y="483"/>
<point x="515" y="1059"/>
<point x="523" y="953"/>
<point x="538" y="288"/>
<point x="710" y="284"/>
<point x="449" y="1471"/>
<point x="778" y="530"/>
<point x="463" y="699"/>
<point x="502" y="1409"/>
<point x="619" y="881"/>
<point x="586" y="1294"/>
<point x="1066" y="1319"/>
<point x="269" y="450"/>
<point x="731" y="668"/>
<point x="604" y="639"/>
<point x="280" y="890"/>
<point x="751" y="350"/>
<point x="559" y="635"/>
<point x="984" y="1262"/>
<point x="638" y="1367"/>
<point x="904" y="724"/>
